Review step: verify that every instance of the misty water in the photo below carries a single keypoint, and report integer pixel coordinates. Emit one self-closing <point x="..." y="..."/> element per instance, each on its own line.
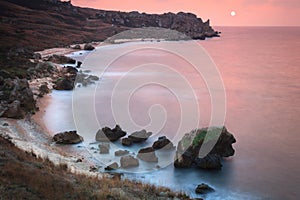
<point x="260" y="69"/>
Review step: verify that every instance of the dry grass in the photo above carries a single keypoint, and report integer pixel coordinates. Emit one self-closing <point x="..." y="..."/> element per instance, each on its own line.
<point x="25" y="176"/>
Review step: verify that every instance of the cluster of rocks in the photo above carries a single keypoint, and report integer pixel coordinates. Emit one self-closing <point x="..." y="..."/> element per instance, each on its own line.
<point x="16" y="98"/>
<point x="186" y="23"/>
<point x="188" y="148"/>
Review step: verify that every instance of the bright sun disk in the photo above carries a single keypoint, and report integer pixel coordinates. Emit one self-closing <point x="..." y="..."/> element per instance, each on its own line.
<point x="233" y="13"/>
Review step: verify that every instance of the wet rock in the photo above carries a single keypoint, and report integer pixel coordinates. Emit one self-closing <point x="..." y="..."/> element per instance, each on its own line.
<point x="64" y="84"/>
<point x="112" y="166"/>
<point x="107" y="134"/>
<point x="104" y="148"/>
<point x="121" y="152"/>
<point x="147" y="154"/>
<point x="139" y="136"/>
<point x="163" y="143"/>
<point x="88" y="47"/>
<point x="129" y="161"/>
<point x="211" y="161"/>
<point x="126" y="142"/>
<point x="189" y="146"/>
<point x="68" y="137"/>
<point x="203" y="189"/>
<point x="5" y="124"/>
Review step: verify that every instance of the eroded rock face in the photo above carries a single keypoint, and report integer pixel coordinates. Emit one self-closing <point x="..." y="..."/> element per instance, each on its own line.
<point x="189" y="146"/>
<point x="68" y="137"/>
<point x="16" y="98"/>
<point x="88" y="47"/>
<point x="147" y="154"/>
<point x="129" y="161"/>
<point x="163" y="143"/>
<point x="186" y="23"/>
<point x="106" y="134"/>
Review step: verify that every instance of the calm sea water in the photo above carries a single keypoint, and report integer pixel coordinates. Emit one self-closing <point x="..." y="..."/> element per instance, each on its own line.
<point x="260" y="68"/>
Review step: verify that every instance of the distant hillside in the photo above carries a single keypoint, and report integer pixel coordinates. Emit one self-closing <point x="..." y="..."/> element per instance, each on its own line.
<point x="42" y="24"/>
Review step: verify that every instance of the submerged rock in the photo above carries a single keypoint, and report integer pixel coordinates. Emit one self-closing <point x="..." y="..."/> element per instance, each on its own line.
<point x="147" y="154"/>
<point x="68" y="137"/>
<point x="106" y="134"/>
<point x="129" y="161"/>
<point x="189" y="146"/>
<point x="204" y="189"/>
<point x="163" y="143"/>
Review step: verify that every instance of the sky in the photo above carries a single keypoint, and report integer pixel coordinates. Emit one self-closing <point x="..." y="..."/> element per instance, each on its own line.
<point x="248" y="12"/>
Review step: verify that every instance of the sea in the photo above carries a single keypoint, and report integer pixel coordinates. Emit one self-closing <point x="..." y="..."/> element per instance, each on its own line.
<point x="248" y="80"/>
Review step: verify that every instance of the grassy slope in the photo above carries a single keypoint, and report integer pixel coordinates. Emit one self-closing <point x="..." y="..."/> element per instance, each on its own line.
<point x="22" y="175"/>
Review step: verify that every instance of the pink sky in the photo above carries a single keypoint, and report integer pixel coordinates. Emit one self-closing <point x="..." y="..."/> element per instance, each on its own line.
<point x="248" y="12"/>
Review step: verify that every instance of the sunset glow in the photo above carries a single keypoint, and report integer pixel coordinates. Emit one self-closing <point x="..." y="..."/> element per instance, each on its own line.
<point x="251" y="12"/>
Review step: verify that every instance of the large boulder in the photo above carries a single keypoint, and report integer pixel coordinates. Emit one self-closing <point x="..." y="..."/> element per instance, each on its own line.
<point x="67" y="137"/>
<point x="139" y="136"/>
<point x="126" y="142"/>
<point x="163" y="143"/>
<point x="106" y="134"/>
<point x="60" y="59"/>
<point x="147" y="154"/>
<point x="188" y="149"/>
<point x="129" y="161"/>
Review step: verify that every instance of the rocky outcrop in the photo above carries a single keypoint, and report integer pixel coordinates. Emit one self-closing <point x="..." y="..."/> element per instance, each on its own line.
<point x="136" y="137"/>
<point x="186" y="23"/>
<point x="16" y="98"/>
<point x="188" y="148"/>
<point x="204" y="189"/>
<point x="121" y="152"/>
<point x="106" y="134"/>
<point x="147" y="154"/>
<point x="129" y="161"/>
<point x="64" y="84"/>
<point x="68" y="137"/>
<point x="163" y="143"/>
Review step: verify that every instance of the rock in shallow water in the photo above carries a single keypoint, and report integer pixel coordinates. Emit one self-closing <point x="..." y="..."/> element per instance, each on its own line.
<point x="204" y="189"/>
<point x="68" y="137"/>
<point x="106" y="134"/>
<point x="163" y="143"/>
<point x="147" y="154"/>
<point x="129" y="161"/>
<point x="189" y="146"/>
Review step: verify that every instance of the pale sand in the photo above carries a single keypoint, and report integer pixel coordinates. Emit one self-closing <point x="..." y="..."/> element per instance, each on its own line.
<point x="31" y="134"/>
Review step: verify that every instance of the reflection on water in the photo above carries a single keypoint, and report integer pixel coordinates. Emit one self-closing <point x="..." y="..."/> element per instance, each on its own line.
<point x="260" y="70"/>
